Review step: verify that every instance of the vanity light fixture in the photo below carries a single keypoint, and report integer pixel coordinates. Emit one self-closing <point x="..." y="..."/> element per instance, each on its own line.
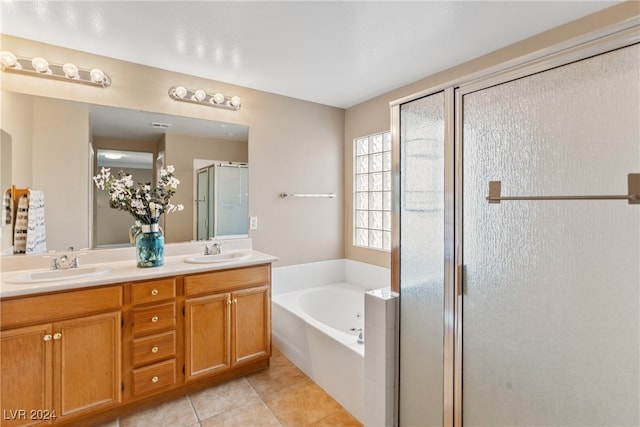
<point x="40" y="67"/>
<point x="199" y="96"/>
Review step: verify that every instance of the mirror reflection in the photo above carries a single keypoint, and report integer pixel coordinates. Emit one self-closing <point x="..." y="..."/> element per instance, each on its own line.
<point x="59" y="145"/>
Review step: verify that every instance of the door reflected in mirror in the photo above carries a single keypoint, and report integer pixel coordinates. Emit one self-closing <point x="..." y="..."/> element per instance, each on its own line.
<point x="111" y="226"/>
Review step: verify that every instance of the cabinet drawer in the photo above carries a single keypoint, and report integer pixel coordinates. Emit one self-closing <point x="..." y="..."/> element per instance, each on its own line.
<point x="153" y="348"/>
<point x="227" y="279"/>
<point x="157" y="290"/>
<point x="154" y="377"/>
<point x="47" y="308"/>
<point x="154" y="319"/>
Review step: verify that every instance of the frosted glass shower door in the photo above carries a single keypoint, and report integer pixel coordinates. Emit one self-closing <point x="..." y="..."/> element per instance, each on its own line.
<point x="422" y="268"/>
<point x="231" y="200"/>
<point x="551" y="302"/>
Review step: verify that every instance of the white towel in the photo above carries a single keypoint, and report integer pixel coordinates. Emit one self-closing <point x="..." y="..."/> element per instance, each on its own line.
<point x="7" y="208"/>
<point x="36" y="231"/>
<point x="20" y="226"/>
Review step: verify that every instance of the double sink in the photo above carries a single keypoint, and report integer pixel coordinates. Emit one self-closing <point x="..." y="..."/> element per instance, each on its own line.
<point x="43" y="276"/>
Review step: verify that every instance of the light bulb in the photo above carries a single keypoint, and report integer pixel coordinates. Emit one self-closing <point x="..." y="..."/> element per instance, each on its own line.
<point x="180" y="91"/>
<point x="8" y="59"/>
<point x="218" y="98"/>
<point x="200" y="95"/>
<point x="70" y="70"/>
<point x="235" y="101"/>
<point x="40" y="64"/>
<point x="97" y="76"/>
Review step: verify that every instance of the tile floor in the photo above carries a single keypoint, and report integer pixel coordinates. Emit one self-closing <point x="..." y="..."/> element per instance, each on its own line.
<point x="280" y="396"/>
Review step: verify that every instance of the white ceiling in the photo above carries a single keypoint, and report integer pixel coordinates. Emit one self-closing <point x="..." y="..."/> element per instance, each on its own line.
<point x="338" y="53"/>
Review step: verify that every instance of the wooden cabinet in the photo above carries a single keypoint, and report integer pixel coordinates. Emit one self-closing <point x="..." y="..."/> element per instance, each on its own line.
<point x="26" y="382"/>
<point x="153" y="346"/>
<point x="60" y="370"/>
<point x="89" y="355"/>
<point x="251" y="324"/>
<point x="224" y="329"/>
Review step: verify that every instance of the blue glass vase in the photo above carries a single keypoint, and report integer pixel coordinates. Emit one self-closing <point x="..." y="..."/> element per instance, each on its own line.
<point x="150" y="246"/>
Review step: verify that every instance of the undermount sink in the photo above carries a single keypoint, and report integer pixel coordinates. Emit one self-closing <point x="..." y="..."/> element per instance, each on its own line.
<point x="56" y="275"/>
<point x="225" y="256"/>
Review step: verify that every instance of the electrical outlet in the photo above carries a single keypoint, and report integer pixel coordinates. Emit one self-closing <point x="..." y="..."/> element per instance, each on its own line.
<point x="253" y="223"/>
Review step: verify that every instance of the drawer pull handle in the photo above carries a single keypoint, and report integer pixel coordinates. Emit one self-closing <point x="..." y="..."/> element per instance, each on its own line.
<point x="154" y="292"/>
<point x="47" y="337"/>
<point x="57" y="336"/>
<point x="155" y="349"/>
<point x="154" y="319"/>
<point x="155" y="379"/>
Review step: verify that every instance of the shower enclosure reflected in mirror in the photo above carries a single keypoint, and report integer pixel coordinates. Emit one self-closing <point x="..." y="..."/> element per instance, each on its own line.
<point x="222" y="203"/>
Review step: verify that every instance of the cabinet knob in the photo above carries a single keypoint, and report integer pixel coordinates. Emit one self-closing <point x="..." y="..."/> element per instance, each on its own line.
<point x="154" y="292"/>
<point x="229" y="301"/>
<point x="154" y="319"/>
<point x="155" y="379"/>
<point x="235" y="300"/>
<point x="47" y="337"/>
<point x="57" y="336"/>
<point x="155" y="349"/>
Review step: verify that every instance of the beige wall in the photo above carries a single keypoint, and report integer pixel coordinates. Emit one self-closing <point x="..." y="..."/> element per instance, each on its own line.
<point x="374" y="115"/>
<point x="294" y="146"/>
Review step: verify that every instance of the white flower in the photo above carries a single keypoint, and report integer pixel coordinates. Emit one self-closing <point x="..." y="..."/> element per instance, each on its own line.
<point x="142" y="201"/>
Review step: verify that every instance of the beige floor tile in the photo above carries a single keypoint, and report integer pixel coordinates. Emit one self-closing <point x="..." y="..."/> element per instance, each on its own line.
<point x="301" y="404"/>
<point x="224" y="397"/>
<point x="254" y="414"/>
<point x="175" y="413"/>
<point x="282" y="373"/>
<point x="341" y="418"/>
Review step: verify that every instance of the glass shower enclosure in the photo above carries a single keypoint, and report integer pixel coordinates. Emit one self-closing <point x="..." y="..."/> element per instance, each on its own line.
<point x="222" y="203"/>
<point x="519" y="284"/>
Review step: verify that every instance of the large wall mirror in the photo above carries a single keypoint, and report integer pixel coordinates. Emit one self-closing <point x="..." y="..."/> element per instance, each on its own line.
<point x="59" y="145"/>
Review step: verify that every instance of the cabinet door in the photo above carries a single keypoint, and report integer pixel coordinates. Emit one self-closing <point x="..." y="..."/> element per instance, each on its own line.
<point x="87" y="356"/>
<point x="25" y="385"/>
<point x="207" y="334"/>
<point x="252" y="324"/>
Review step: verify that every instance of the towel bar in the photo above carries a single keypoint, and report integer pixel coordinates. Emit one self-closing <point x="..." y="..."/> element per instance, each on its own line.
<point x="633" y="196"/>
<point x="321" y="195"/>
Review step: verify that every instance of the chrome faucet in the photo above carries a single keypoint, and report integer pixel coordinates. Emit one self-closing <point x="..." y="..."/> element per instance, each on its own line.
<point x="64" y="262"/>
<point x="214" y="249"/>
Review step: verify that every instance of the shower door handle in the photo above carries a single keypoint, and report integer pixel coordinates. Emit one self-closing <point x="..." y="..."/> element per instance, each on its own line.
<point x="459" y="270"/>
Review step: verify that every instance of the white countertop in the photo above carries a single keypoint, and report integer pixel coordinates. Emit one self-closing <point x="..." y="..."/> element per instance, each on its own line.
<point x="124" y="271"/>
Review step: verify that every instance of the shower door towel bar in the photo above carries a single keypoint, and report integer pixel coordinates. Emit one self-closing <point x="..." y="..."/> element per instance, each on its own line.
<point x="323" y="195"/>
<point x="633" y="195"/>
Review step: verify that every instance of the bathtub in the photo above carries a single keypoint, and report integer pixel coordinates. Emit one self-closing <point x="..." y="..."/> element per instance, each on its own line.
<point x="319" y="329"/>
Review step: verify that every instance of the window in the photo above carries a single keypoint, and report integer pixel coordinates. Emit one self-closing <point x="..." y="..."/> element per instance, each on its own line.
<point x="372" y="191"/>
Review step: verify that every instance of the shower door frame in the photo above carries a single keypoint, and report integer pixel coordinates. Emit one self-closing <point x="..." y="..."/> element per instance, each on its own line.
<point x="613" y="37"/>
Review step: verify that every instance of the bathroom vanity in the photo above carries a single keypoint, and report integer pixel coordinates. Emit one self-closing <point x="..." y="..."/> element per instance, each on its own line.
<point x="84" y="352"/>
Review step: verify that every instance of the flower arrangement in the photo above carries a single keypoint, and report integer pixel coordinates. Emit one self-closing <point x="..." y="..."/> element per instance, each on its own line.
<point x="140" y="200"/>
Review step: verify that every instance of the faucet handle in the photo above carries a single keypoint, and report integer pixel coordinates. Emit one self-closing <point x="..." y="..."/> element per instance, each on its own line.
<point x="75" y="261"/>
<point x="54" y="263"/>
